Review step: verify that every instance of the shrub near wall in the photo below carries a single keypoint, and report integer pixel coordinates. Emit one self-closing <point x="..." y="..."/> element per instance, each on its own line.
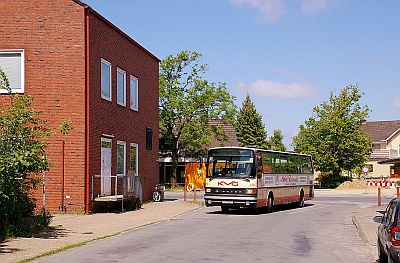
<point x="21" y="157"/>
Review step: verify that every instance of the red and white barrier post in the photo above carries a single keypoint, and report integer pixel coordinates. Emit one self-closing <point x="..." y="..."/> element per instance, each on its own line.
<point x="383" y="184"/>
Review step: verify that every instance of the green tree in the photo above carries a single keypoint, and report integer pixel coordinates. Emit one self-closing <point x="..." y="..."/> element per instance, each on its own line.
<point x="21" y="156"/>
<point x="276" y="141"/>
<point x="187" y="103"/>
<point x="250" y="129"/>
<point x="332" y="135"/>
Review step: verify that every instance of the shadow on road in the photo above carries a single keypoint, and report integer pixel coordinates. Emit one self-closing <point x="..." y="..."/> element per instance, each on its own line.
<point x="259" y="211"/>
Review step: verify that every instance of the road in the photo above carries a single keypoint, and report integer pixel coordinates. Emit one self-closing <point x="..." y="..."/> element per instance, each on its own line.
<point x="320" y="232"/>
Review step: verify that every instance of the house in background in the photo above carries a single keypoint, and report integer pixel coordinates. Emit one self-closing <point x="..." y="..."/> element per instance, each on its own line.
<point x="385" y="136"/>
<point x="188" y="163"/>
<point x="80" y="67"/>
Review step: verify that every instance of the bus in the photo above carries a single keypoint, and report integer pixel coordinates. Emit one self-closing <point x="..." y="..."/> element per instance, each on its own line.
<point x="251" y="177"/>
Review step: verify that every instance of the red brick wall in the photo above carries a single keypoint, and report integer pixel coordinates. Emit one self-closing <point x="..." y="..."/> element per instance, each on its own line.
<point x="52" y="35"/>
<point x="109" y="118"/>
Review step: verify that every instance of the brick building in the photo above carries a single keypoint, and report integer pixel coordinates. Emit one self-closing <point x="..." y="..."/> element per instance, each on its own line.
<point x="82" y="68"/>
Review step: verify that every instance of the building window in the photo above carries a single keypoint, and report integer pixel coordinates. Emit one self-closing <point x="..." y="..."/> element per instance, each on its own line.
<point x="12" y="62"/>
<point x="134" y="93"/>
<point x="121" y="87"/>
<point x="121" y="157"/>
<point x="377" y="146"/>
<point x="105" y="80"/>
<point x="149" y="138"/>
<point x="134" y="159"/>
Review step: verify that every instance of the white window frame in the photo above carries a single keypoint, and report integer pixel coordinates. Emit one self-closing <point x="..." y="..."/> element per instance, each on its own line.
<point x="137" y="93"/>
<point x="124" y="144"/>
<point x="137" y="157"/>
<point x="22" y="52"/>
<point x="123" y="103"/>
<point x="101" y="81"/>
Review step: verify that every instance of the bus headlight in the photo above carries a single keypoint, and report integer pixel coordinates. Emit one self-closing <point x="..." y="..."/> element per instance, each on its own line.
<point x="208" y="190"/>
<point x="251" y="191"/>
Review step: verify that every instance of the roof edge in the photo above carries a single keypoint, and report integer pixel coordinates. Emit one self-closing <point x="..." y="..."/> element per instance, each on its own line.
<point x="105" y="20"/>
<point x="393" y="134"/>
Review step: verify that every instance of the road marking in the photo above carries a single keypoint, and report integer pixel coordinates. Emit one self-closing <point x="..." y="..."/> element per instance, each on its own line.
<point x="305" y="209"/>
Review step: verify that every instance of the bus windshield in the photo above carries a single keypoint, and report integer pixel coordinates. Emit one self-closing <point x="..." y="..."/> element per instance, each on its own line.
<point x="236" y="163"/>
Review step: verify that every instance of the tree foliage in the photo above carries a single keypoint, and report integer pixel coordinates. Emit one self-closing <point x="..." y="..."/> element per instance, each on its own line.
<point x="332" y="135"/>
<point x="188" y="102"/>
<point x="21" y="155"/>
<point x="250" y="129"/>
<point x="276" y="141"/>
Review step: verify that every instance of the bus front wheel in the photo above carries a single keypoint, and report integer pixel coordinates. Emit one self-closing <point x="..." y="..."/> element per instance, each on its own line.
<point x="301" y="201"/>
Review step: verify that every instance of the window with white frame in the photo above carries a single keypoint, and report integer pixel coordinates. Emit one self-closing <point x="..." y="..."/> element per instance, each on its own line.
<point x="134" y="93"/>
<point x="12" y="63"/>
<point x="105" y="80"/>
<point x="134" y="159"/>
<point x="121" y="87"/>
<point x="121" y="158"/>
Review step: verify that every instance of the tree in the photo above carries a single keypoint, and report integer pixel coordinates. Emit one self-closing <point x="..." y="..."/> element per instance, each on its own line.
<point x="332" y="135"/>
<point x="276" y="141"/>
<point x="21" y="155"/>
<point x="250" y="129"/>
<point x="187" y="103"/>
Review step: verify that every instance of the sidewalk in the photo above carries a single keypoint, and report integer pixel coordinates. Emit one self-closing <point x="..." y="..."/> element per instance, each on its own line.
<point x="74" y="229"/>
<point x="362" y="219"/>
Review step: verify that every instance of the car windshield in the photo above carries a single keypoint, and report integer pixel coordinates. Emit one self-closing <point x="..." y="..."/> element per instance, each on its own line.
<point x="231" y="163"/>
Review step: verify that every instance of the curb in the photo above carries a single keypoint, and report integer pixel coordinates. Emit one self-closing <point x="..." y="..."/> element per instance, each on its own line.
<point x="359" y="230"/>
<point x="363" y="238"/>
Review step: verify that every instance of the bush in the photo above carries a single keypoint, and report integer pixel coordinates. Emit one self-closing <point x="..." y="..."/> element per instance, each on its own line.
<point x="328" y="180"/>
<point x="22" y="156"/>
<point x="29" y="226"/>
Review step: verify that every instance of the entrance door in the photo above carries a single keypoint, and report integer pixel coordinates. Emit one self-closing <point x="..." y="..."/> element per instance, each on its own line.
<point x="105" y="166"/>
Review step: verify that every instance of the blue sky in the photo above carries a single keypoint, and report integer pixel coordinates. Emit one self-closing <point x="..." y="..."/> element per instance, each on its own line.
<point x="287" y="54"/>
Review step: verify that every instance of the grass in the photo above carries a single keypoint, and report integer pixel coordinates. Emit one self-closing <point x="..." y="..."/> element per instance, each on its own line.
<point x="58" y="250"/>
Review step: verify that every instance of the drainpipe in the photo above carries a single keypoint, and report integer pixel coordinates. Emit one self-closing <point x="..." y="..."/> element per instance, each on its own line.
<point x="87" y="101"/>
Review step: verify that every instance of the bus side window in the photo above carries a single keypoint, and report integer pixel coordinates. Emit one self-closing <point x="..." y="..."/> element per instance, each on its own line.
<point x="259" y="170"/>
<point x="267" y="163"/>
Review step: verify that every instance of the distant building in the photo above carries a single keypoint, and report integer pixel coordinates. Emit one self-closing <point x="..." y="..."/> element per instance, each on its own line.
<point x="165" y="160"/>
<point x="385" y="136"/>
<point x="81" y="67"/>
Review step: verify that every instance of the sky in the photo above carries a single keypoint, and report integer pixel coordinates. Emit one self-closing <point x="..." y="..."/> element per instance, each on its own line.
<point x="288" y="55"/>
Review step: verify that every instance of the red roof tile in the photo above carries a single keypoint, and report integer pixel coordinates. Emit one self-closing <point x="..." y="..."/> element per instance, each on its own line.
<point x="381" y="130"/>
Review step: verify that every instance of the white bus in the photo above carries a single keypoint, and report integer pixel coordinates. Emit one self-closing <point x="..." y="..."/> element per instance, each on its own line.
<point x="250" y="177"/>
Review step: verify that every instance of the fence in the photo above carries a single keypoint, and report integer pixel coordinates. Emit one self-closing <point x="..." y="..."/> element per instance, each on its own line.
<point x="116" y="188"/>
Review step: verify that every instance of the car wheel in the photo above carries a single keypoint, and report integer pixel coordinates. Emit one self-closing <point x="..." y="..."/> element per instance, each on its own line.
<point x="381" y="254"/>
<point x="389" y="258"/>
<point x="224" y="209"/>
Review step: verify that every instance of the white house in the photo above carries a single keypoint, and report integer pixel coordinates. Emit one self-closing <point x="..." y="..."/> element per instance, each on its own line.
<point x="385" y="136"/>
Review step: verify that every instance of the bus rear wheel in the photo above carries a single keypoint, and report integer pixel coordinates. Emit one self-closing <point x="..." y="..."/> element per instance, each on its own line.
<point x="270" y="204"/>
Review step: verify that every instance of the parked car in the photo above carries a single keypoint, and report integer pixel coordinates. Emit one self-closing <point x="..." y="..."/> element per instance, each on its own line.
<point x="389" y="233"/>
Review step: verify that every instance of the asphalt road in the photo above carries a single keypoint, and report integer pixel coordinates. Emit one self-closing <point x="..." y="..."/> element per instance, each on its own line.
<point x="320" y="232"/>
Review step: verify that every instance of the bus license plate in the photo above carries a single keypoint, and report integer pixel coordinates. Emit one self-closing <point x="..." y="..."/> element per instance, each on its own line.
<point x="228" y="202"/>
